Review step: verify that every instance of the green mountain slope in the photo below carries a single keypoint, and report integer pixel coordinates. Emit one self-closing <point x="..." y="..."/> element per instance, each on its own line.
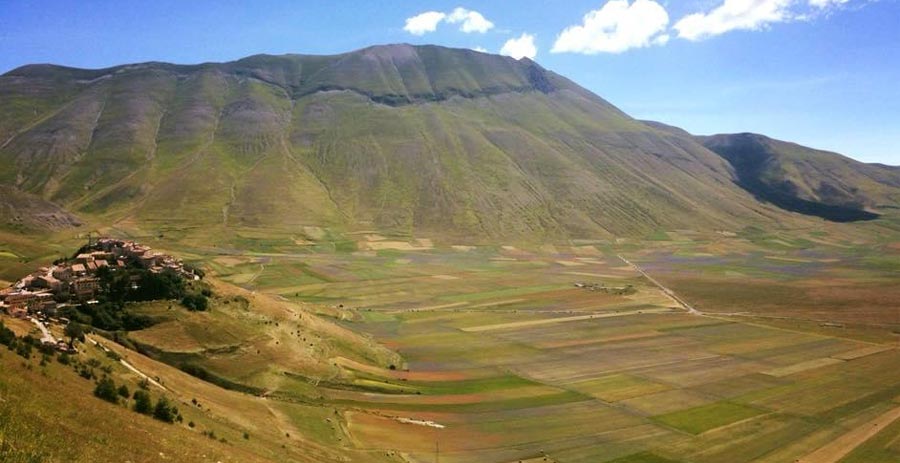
<point x="808" y="180"/>
<point x="414" y="139"/>
<point x="26" y="212"/>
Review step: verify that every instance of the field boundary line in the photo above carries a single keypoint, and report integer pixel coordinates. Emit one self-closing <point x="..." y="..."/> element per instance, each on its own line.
<point x="840" y="447"/>
<point x="548" y="321"/>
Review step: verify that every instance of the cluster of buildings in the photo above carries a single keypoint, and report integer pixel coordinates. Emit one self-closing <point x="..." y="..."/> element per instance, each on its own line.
<point x="75" y="280"/>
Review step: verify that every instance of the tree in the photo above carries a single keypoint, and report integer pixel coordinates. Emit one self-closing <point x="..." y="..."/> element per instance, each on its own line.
<point x="106" y="390"/>
<point x="195" y="302"/>
<point x="123" y="391"/>
<point x="75" y="331"/>
<point x="142" y="403"/>
<point x="164" y="411"/>
<point x="7" y="336"/>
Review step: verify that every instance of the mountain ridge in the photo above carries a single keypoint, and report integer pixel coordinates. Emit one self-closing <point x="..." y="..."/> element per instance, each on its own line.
<point x="410" y="139"/>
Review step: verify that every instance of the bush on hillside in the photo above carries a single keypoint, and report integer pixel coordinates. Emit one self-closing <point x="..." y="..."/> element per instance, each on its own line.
<point x="142" y="402"/>
<point x="106" y="390"/>
<point x="165" y="411"/>
<point x="195" y="302"/>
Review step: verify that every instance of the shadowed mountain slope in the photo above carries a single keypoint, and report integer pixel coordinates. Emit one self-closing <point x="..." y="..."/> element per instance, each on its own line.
<point x="415" y="139"/>
<point x="807" y="180"/>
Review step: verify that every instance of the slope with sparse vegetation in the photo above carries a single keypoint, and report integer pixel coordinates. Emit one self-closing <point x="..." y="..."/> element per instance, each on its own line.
<point x="410" y="139"/>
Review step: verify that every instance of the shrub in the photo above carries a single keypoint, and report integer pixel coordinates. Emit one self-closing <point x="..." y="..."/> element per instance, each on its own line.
<point x="164" y="411"/>
<point x="195" y="302"/>
<point x="6" y="335"/>
<point x="23" y="349"/>
<point x="123" y="391"/>
<point x="86" y="373"/>
<point x="106" y="390"/>
<point x="142" y="403"/>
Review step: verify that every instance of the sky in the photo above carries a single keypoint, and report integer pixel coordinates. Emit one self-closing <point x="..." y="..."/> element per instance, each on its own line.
<point x="823" y="73"/>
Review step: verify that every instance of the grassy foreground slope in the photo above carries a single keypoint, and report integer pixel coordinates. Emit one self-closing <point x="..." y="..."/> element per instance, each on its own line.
<point x="403" y="138"/>
<point x="49" y="413"/>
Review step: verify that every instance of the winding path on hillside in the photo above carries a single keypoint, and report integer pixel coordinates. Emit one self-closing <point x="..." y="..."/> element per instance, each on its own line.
<point x="129" y="366"/>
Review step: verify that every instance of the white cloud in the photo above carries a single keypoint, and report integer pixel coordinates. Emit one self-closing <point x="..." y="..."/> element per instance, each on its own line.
<point x="468" y="20"/>
<point x="480" y="49"/>
<point x="821" y="4"/>
<point x="424" y="22"/>
<point x="472" y="21"/>
<point x="735" y="15"/>
<point x="522" y="47"/>
<point x="616" y="27"/>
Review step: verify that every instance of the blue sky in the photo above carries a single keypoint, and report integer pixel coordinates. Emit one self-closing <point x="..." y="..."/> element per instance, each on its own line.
<point x="824" y="73"/>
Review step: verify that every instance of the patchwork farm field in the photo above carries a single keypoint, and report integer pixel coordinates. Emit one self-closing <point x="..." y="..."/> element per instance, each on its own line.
<point x="571" y="355"/>
<point x="734" y="349"/>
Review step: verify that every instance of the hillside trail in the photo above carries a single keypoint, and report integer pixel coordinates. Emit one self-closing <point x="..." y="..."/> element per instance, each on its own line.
<point x="129" y="366"/>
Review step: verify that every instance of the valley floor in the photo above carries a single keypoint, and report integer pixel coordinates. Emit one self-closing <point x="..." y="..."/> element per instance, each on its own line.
<point x="682" y="352"/>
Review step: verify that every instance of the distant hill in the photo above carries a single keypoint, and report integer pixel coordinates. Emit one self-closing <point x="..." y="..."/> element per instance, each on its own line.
<point x="415" y="139"/>
<point x="807" y="180"/>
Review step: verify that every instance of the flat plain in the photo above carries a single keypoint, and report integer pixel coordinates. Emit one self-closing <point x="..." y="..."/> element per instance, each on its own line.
<point x="569" y="354"/>
<point x="553" y="354"/>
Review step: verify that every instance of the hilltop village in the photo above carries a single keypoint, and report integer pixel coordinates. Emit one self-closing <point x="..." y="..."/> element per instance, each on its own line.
<point x="78" y="280"/>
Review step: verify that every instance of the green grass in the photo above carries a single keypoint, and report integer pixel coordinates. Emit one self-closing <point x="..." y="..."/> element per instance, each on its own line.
<point x="883" y="447"/>
<point x="501" y="293"/>
<point x="474" y="386"/>
<point x="659" y="235"/>
<point x="705" y="417"/>
<point x="643" y="457"/>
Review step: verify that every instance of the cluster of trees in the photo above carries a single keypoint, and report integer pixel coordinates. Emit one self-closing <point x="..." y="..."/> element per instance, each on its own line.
<point x="135" y="284"/>
<point x="163" y="410"/>
<point x="24" y="346"/>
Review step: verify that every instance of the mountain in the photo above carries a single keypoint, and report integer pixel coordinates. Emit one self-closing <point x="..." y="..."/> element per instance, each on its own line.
<point x="807" y="180"/>
<point x="28" y="212"/>
<point x="423" y="140"/>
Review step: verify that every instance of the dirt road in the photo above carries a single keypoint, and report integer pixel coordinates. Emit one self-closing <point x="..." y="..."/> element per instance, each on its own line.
<point x="668" y="292"/>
